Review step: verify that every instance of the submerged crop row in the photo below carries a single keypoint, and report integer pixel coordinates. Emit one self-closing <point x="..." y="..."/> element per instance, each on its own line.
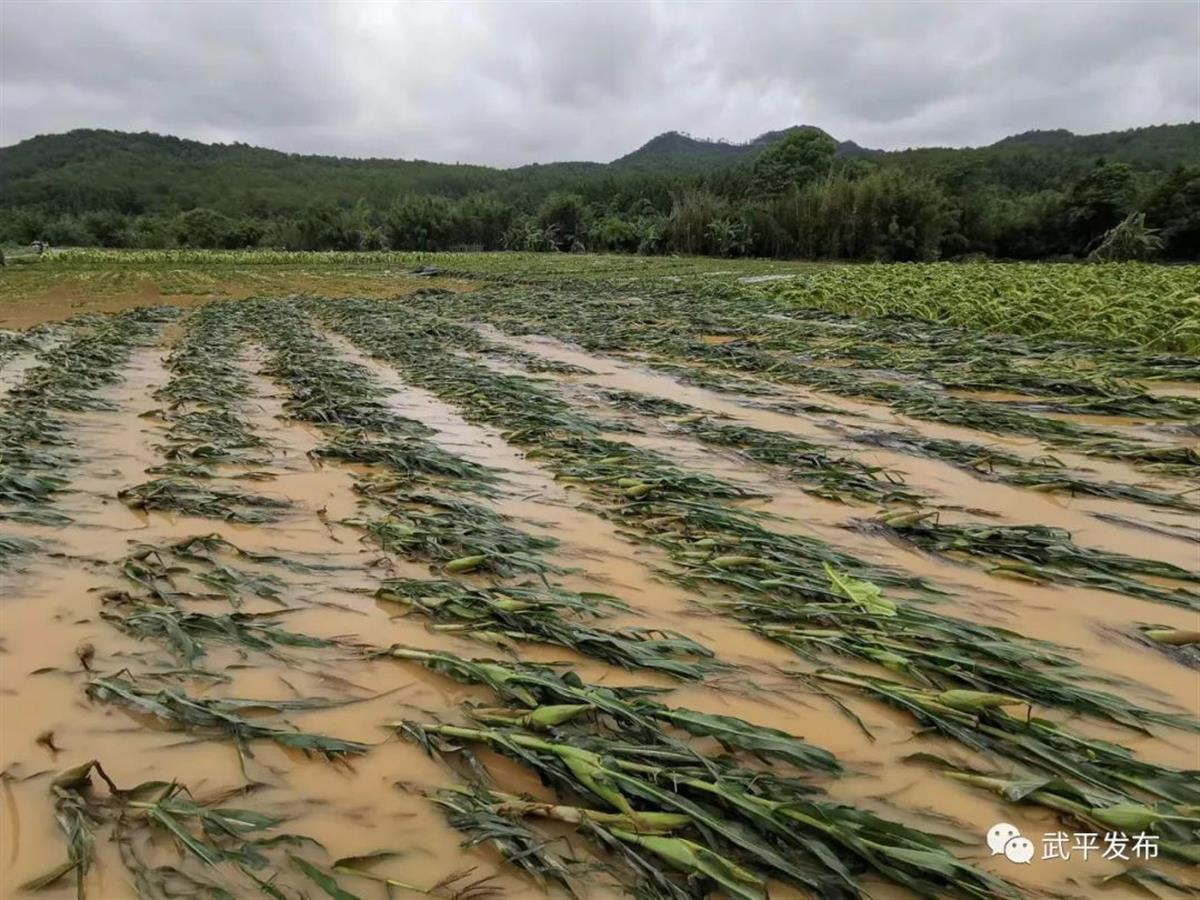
<point x="324" y="671"/>
<point x="722" y="822"/>
<point x="35" y="443"/>
<point x="761" y="337"/>
<point x="204" y="429"/>
<point x="429" y="500"/>
<point x="959" y="678"/>
<point x="1035" y="553"/>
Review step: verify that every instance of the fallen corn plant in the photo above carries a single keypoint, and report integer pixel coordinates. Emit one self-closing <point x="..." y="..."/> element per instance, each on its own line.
<point x="980" y="720"/>
<point x="1040" y="553"/>
<point x="459" y="535"/>
<point x="855" y="620"/>
<point x="186" y="497"/>
<point x="12" y="546"/>
<point x="1176" y="827"/>
<point x="1179" y="644"/>
<point x="185" y="634"/>
<point x="530" y="612"/>
<point x="473" y="812"/>
<point x="563" y="696"/>
<point x="195" y="568"/>
<point x="221" y="851"/>
<point x="408" y="457"/>
<point x="729" y="831"/>
<point x="203" y="831"/>
<point x="223" y="716"/>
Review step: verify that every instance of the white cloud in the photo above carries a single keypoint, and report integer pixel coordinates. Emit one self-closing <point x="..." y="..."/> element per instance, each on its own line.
<point x="516" y="82"/>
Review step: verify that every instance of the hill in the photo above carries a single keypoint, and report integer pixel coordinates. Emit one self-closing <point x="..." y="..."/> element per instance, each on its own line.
<point x="1014" y="197"/>
<point x="677" y="151"/>
<point x="96" y="169"/>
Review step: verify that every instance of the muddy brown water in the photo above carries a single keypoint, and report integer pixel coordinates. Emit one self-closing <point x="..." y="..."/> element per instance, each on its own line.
<point x="52" y="604"/>
<point x="1030" y="609"/>
<point x="941" y="479"/>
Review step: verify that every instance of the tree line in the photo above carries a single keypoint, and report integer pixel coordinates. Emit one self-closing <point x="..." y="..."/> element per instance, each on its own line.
<point x="795" y="199"/>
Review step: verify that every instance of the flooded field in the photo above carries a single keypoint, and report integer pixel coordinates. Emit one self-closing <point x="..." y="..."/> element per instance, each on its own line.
<point x="597" y="582"/>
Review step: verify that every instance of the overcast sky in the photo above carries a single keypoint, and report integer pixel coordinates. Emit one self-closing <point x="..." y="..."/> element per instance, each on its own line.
<point x="506" y="83"/>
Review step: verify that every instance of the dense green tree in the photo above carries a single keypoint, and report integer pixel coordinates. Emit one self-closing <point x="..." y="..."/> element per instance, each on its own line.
<point x="107" y="227"/>
<point x="1098" y="202"/>
<point x="420" y="223"/>
<point x="1028" y="226"/>
<point x="70" y="231"/>
<point x="482" y="222"/>
<point x="1174" y="209"/>
<point x="202" y="228"/>
<point x="563" y="218"/>
<point x="613" y="234"/>
<point x="799" y="159"/>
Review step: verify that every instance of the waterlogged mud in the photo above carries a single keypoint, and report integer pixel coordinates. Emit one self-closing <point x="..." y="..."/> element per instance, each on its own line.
<point x="51" y="621"/>
<point x="13" y="369"/>
<point x="32" y="296"/>
<point x="948" y="483"/>
<point x="1074" y="617"/>
<point x="321" y="629"/>
<point x="882" y="782"/>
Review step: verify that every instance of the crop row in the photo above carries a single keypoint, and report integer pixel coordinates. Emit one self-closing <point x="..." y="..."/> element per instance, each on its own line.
<point x="954" y="677"/>
<point x="1142" y="305"/>
<point x="607" y="746"/>
<point x="35" y="438"/>
<point x="761" y="340"/>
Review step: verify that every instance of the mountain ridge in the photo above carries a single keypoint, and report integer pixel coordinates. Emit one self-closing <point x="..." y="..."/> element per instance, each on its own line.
<point x="132" y="174"/>
<point x="668" y="144"/>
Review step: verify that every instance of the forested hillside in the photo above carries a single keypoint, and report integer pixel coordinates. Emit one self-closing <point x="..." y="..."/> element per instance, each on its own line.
<point x="793" y="193"/>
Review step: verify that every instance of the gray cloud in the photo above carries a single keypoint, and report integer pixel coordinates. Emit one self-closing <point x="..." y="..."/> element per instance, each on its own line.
<point x="506" y="83"/>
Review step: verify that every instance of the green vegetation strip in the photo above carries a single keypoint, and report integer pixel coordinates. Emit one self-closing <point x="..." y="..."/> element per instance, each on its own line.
<point x="836" y="477"/>
<point x="1151" y="306"/>
<point x="1043" y="474"/>
<point x="819" y="471"/>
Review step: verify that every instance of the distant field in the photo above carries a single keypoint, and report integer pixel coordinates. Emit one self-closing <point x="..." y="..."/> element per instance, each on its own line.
<point x="1127" y="303"/>
<point x="594" y="576"/>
